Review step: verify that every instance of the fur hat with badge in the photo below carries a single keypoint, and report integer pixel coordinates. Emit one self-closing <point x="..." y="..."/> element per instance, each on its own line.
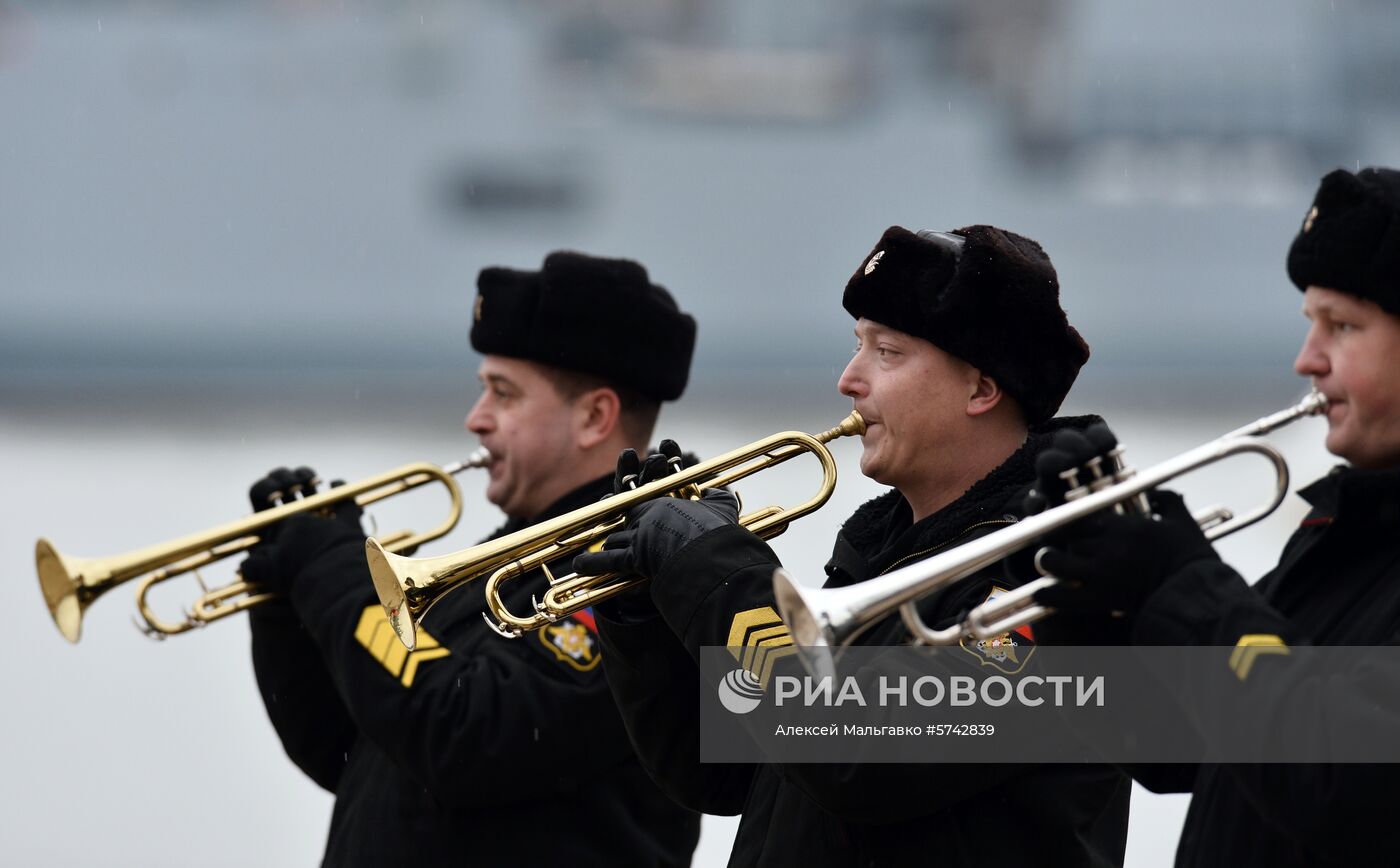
<point x="988" y="296"/>
<point x="588" y="314"/>
<point x="1350" y="238"/>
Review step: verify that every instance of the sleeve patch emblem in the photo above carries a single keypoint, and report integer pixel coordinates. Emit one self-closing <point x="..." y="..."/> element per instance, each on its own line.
<point x="378" y="638"/>
<point x="758" y="639"/>
<point x="1008" y="651"/>
<point x="572" y="642"/>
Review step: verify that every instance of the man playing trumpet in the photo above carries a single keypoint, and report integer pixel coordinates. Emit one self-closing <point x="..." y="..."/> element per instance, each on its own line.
<point x="465" y="750"/>
<point x="1159" y="582"/>
<point x="963" y="356"/>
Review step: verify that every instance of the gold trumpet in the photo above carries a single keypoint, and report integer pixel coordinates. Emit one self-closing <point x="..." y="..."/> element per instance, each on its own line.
<point x="71" y="584"/>
<point x="408" y="587"/>
<point x="824" y="620"/>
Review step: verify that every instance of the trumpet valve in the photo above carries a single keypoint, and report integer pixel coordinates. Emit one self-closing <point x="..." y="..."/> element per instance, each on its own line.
<point x="1073" y="489"/>
<point x="1120" y="468"/>
<point x="1098" y="479"/>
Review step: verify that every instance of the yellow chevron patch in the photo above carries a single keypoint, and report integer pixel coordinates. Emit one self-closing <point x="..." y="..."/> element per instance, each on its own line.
<point x="768" y="658"/>
<point x="377" y="637"/>
<point x="1250" y="647"/>
<point x="749" y="620"/>
<point x="758" y="638"/>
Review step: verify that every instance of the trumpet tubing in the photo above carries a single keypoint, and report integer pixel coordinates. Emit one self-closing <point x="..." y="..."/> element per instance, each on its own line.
<point x="408" y="587"/>
<point x="70" y="585"/>
<point x="823" y="620"/>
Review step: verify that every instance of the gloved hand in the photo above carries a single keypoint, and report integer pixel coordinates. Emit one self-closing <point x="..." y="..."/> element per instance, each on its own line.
<point x="658" y="529"/>
<point x="1111" y="563"/>
<point x="632" y="472"/>
<point x="282" y="486"/>
<point x="634" y="605"/>
<point x="1069" y="450"/>
<point x="288" y="546"/>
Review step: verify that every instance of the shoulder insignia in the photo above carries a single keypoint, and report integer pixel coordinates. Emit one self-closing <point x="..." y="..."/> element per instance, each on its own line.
<point x="1008" y="652"/>
<point x="377" y="636"/>
<point x="1250" y="647"/>
<point x="758" y="638"/>
<point x="572" y="640"/>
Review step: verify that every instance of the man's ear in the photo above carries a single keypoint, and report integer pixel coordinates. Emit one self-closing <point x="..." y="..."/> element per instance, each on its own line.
<point x="984" y="395"/>
<point x="597" y="413"/>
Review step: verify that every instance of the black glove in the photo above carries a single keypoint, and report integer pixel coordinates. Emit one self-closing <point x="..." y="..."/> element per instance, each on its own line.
<point x="288" y="546"/>
<point x="1111" y="563"/>
<point x="632" y="472"/>
<point x="282" y="486"/>
<point x="1087" y="454"/>
<point x="634" y="605"/>
<point x="656" y="530"/>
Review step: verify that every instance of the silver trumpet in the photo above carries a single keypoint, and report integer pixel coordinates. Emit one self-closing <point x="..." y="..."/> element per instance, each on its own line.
<point x="825" y="620"/>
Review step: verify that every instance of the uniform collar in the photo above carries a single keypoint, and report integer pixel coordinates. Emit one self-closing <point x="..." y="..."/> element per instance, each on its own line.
<point x="1358" y="496"/>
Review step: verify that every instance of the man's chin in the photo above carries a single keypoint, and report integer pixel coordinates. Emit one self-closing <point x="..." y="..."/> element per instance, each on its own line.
<point x="496" y="496"/>
<point x="1346" y="449"/>
<point x="871" y="469"/>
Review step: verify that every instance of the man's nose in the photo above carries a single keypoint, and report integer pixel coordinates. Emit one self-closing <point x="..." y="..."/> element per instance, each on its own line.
<point x="852" y="383"/>
<point x="478" y="419"/>
<point x="1311" y="360"/>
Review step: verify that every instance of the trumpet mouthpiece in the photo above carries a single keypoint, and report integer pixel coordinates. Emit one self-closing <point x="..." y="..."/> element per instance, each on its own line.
<point x="851" y="426"/>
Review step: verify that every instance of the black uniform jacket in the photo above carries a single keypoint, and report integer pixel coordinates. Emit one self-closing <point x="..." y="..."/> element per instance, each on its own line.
<point x="720" y="586"/>
<point x="472" y="749"/>
<point x="1337" y="583"/>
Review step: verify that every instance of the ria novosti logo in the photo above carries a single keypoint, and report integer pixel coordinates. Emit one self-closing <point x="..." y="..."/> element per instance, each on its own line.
<point x="740" y="692"/>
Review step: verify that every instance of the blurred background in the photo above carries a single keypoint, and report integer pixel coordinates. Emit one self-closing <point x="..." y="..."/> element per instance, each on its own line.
<point x="240" y="235"/>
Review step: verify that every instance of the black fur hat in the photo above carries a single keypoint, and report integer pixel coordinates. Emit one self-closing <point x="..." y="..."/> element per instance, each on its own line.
<point x="1350" y="238"/>
<point x="991" y="299"/>
<point x="588" y="314"/>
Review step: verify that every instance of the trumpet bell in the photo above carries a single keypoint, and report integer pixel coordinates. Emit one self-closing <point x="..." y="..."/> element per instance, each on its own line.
<point x="63" y="590"/>
<point x="384" y="566"/>
<point x="792" y="597"/>
<point x="805" y="618"/>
